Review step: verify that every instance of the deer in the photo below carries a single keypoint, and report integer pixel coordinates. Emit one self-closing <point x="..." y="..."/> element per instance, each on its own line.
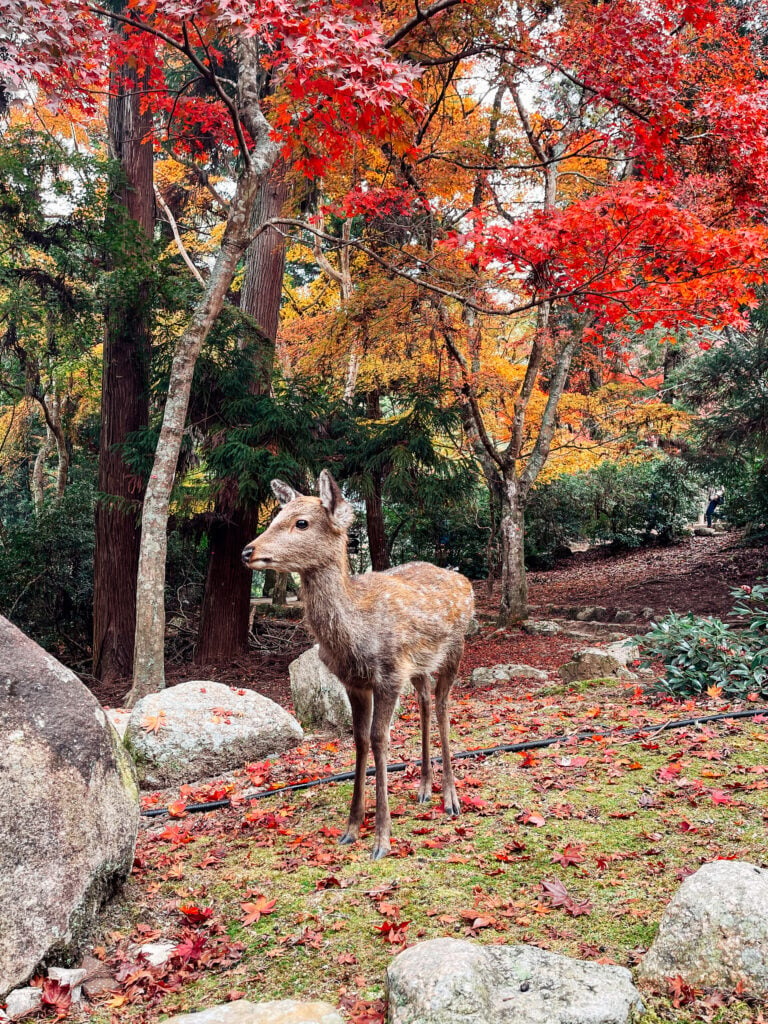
<point x="376" y="631"/>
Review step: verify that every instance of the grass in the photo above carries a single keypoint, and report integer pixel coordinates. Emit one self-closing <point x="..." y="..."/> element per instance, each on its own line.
<point x="634" y="827"/>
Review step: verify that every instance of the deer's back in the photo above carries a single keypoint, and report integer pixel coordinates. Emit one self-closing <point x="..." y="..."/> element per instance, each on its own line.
<point x="419" y="592"/>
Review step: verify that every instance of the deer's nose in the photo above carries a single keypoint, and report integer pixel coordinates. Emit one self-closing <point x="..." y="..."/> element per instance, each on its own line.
<point x="247" y="554"/>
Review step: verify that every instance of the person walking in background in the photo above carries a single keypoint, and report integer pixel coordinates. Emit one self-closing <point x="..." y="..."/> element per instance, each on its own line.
<point x="710" y="513"/>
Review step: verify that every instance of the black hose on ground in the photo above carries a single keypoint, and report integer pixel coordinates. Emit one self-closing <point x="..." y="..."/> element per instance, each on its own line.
<point x="463" y="755"/>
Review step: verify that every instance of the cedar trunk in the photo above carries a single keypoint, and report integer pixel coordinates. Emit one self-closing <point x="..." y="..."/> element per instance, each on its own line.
<point x="374" y="521"/>
<point x="226" y="603"/>
<point x="374" y="504"/>
<point x="125" y="388"/>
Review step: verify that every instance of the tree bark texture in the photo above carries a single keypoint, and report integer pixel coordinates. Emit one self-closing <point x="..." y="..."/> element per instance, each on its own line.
<point x="374" y="522"/>
<point x="226" y="602"/>
<point x="513" y="604"/>
<point x="374" y="503"/>
<point x="125" y="387"/>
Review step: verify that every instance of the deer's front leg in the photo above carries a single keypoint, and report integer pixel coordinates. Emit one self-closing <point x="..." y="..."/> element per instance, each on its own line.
<point x="421" y="685"/>
<point x="383" y="707"/>
<point x="361" y="702"/>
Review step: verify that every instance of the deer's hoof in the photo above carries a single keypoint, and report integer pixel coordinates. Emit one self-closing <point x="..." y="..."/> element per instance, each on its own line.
<point x="452" y="806"/>
<point x="380" y="850"/>
<point x="425" y="795"/>
<point x="347" y="839"/>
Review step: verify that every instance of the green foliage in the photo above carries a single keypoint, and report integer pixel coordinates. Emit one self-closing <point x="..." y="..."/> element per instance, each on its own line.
<point x="46" y="574"/>
<point x="451" y="529"/>
<point x="726" y="385"/>
<point x="699" y="653"/>
<point x="624" y="504"/>
<point x="432" y="508"/>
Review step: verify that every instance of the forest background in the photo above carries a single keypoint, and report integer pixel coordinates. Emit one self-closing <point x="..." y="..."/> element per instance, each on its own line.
<point x="499" y="265"/>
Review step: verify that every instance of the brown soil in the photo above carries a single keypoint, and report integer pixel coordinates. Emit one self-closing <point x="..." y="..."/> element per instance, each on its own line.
<point x="696" y="575"/>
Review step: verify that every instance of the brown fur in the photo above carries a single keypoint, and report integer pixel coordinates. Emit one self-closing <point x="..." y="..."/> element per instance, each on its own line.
<point x="376" y="632"/>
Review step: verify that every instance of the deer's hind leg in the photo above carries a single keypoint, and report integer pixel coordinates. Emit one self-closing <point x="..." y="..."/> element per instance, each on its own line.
<point x="445" y="679"/>
<point x="422" y="688"/>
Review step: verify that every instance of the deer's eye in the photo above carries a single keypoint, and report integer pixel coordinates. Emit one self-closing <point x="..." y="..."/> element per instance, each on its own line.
<point x="301" y="524"/>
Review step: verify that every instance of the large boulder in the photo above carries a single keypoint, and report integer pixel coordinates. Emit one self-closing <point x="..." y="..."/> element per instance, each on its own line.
<point x="319" y="697"/>
<point x="714" y="933"/>
<point x="593" y="663"/>
<point x="448" y="980"/>
<point x="280" y="1011"/>
<point x="198" y="729"/>
<point x="69" y="809"/>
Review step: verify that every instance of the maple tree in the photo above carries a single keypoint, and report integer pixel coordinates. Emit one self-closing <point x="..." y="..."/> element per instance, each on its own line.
<point x="666" y="229"/>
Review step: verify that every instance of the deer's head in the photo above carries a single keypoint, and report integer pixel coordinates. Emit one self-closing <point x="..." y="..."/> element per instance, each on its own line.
<point x="307" y="533"/>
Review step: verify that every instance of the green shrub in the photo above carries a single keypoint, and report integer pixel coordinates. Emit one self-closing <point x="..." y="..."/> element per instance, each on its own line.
<point x="701" y="653"/>
<point x="46" y="574"/>
<point x="624" y="504"/>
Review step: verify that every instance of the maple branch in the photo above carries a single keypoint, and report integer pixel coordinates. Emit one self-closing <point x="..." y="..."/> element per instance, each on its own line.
<point x="418" y="18"/>
<point x="529" y="381"/>
<point x="468" y="389"/>
<point x="540" y="451"/>
<point x="177" y="237"/>
<point x="529" y="132"/>
<point x="202" y="176"/>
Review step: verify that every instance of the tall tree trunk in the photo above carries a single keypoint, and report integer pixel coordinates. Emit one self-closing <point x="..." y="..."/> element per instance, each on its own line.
<point x="513" y="605"/>
<point x="125" y="383"/>
<point x="226" y="603"/>
<point x="374" y="522"/>
<point x="374" y="504"/>
<point x="149" y="648"/>
<point x="37" y="478"/>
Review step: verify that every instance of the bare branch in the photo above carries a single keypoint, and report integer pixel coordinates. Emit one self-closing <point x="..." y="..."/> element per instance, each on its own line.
<point x="177" y="237"/>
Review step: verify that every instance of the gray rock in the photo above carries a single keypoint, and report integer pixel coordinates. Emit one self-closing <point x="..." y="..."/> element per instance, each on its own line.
<point x="72" y="976"/>
<point x="201" y="728"/>
<point x="624" y="615"/>
<point x="584" y="614"/>
<point x="700" y="530"/>
<point x="473" y="628"/>
<point x="648" y="614"/>
<point x="23" y="1000"/>
<point x="595" y="614"/>
<point x="97" y="981"/>
<point x="486" y="675"/>
<point x="543" y="627"/>
<point x="118" y="719"/>
<point x="280" y="1011"/>
<point x="624" y="651"/>
<point x="319" y="698"/>
<point x="593" y="663"/>
<point x="714" y="933"/>
<point x="69" y="809"/>
<point x="450" y="981"/>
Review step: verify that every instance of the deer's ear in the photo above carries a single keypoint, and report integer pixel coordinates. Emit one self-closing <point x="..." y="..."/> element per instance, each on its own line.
<point x="283" y="491"/>
<point x="341" y="512"/>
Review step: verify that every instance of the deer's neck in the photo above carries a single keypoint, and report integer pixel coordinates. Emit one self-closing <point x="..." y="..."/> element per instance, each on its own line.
<point x="329" y="606"/>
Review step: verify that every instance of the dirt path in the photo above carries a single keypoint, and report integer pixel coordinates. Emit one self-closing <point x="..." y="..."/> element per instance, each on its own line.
<point x="695" y="575"/>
